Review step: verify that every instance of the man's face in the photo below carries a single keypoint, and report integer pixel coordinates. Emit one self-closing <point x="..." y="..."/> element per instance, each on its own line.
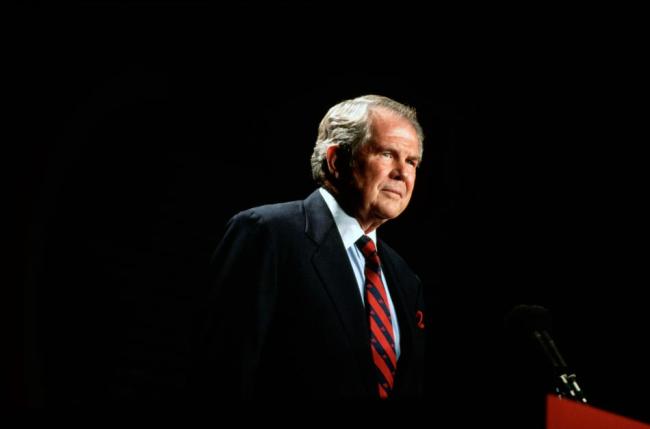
<point x="383" y="173"/>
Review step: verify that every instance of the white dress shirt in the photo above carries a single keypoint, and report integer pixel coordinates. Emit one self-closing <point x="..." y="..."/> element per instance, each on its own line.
<point x="350" y="231"/>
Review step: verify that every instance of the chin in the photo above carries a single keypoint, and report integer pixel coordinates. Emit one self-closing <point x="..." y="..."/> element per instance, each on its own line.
<point x="390" y="213"/>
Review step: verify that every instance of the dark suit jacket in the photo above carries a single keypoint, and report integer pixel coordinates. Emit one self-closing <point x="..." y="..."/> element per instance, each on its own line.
<point x="287" y="316"/>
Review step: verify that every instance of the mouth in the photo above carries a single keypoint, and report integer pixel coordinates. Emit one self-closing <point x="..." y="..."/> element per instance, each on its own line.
<point x="393" y="192"/>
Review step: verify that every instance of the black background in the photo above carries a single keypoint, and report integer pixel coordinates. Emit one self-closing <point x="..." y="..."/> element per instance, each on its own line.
<point x="141" y="129"/>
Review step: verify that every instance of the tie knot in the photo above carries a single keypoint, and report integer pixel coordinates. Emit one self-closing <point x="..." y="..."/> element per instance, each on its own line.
<point x="366" y="245"/>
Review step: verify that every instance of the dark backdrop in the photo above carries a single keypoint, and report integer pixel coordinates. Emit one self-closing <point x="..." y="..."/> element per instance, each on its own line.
<point x="143" y="129"/>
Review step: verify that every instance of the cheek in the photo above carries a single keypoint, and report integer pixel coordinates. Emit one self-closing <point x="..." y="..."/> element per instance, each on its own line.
<point x="410" y="184"/>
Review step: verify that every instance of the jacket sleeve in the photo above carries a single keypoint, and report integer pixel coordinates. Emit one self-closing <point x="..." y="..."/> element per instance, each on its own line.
<point x="240" y="307"/>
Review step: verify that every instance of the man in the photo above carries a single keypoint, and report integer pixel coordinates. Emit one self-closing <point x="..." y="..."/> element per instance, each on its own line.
<point x="308" y="303"/>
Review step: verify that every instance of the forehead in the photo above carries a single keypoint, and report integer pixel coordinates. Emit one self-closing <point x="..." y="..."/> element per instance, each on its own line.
<point x="388" y="127"/>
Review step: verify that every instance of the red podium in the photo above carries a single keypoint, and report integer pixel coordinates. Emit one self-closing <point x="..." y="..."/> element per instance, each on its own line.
<point x="567" y="414"/>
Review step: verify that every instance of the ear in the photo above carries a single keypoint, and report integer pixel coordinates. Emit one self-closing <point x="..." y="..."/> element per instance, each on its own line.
<point x="332" y="158"/>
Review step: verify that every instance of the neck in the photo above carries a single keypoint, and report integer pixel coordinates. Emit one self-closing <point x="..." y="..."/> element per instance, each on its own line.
<point x="370" y="227"/>
<point x="349" y="204"/>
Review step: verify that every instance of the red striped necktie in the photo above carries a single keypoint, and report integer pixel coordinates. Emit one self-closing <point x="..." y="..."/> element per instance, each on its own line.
<point x="382" y="338"/>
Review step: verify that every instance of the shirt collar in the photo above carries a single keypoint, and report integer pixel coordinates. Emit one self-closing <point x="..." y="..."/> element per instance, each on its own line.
<point x="348" y="227"/>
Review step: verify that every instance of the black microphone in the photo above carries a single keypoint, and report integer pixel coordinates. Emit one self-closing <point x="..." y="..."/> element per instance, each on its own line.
<point x="535" y="321"/>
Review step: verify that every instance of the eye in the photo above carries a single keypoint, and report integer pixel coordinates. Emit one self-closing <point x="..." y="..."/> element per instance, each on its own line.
<point x="413" y="162"/>
<point x="387" y="154"/>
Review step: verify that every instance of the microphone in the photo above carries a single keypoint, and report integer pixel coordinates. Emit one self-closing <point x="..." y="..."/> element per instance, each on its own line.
<point x="535" y="321"/>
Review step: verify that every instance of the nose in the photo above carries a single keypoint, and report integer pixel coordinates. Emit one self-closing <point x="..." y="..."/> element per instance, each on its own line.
<point x="401" y="171"/>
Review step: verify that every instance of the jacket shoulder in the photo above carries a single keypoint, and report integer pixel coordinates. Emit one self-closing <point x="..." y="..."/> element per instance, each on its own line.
<point x="274" y="216"/>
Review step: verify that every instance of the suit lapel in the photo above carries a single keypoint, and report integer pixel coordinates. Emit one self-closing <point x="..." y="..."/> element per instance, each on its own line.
<point x="398" y="294"/>
<point x="333" y="267"/>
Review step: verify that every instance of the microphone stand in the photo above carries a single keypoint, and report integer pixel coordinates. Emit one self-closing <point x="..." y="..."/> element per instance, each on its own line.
<point x="566" y="382"/>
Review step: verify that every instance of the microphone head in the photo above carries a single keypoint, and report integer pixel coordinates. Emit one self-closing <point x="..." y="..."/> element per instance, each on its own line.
<point x="526" y="319"/>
